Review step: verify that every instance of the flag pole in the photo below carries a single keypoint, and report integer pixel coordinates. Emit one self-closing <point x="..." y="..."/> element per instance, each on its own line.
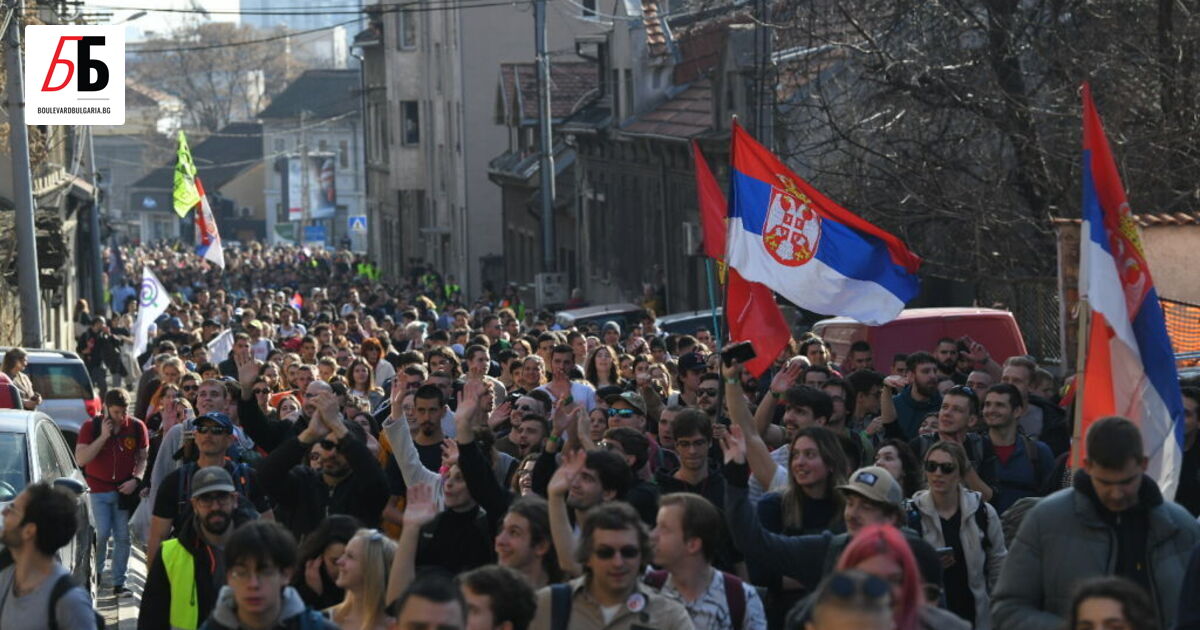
<point x="712" y="298"/>
<point x="1081" y="344"/>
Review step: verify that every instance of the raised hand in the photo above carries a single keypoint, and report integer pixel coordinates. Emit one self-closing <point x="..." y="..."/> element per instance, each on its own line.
<point x="733" y="445"/>
<point x="468" y="398"/>
<point x="312" y="575"/>
<point x="397" y="399"/>
<point x="449" y="453"/>
<point x="500" y="414"/>
<point x="572" y="464"/>
<point x="978" y="352"/>
<point x="419" y="507"/>
<point x="248" y="369"/>
<point x="560" y="418"/>
<point x="786" y="378"/>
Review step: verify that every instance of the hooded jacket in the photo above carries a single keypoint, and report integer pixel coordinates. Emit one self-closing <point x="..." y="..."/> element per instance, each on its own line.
<point x="293" y="614"/>
<point x="983" y="564"/>
<point x="155" y="611"/>
<point x="1069" y="537"/>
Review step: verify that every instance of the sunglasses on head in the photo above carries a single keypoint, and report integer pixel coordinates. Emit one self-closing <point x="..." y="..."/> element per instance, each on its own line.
<point x="207" y="429"/>
<point x="946" y="467"/>
<point x="628" y="552"/>
<point x="622" y="413"/>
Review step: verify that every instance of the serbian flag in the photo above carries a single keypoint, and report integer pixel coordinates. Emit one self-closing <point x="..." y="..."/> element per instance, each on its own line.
<point x="820" y="256"/>
<point x="208" y="241"/>
<point x="750" y="307"/>
<point x="297" y="301"/>
<point x="1130" y="366"/>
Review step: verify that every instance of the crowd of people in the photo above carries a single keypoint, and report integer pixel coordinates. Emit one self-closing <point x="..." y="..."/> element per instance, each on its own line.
<point x="370" y="456"/>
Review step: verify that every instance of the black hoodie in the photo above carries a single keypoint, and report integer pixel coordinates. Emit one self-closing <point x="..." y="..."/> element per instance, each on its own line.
<point x="1129" y="527"/>
<point x="155" y="612"/>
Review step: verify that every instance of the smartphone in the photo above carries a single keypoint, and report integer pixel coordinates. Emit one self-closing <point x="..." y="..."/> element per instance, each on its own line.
<point x="741" y="352"/>
<point x="568" y="400"/>
<point x="945" y="551"/>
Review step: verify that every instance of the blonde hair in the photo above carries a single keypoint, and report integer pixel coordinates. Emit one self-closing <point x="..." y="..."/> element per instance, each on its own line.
<point x="378" y="551"/>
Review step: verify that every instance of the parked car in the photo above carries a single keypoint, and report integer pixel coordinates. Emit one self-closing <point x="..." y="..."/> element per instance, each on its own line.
<point x="920" y="328"/>
<point x="32" y="449"/>
<point x="591" y="318"/>
<point x="688" y="322"/>
<point x="66" y="389"/>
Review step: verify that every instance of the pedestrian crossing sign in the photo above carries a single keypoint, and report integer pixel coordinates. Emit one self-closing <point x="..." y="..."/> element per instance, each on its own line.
<point x="357" y="224"/>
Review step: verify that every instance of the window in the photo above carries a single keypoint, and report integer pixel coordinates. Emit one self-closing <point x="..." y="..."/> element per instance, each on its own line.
<point x="410" y="122"/>
<point x="343" y="154"/>
<point x="322" y="146"/>
<point x="589" y="8"/>
<point x="628" y="93"/>
<point x="406" y="30"/>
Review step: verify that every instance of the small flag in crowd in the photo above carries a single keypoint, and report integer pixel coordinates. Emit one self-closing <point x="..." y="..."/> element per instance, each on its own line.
<point x="220" y="347"/>
<point x="787" y="235"/>
<point x="1130" y="366"/>
<point x="186" y="196"/>
<point x="208" y="241"/>
<point x="297" y="301"/>
<point x="152" y="302"/>
<point x="750" y="307"/>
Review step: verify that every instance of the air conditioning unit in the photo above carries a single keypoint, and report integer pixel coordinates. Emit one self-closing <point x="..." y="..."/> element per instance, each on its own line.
<point x="550" y="289"/>
<point x="693" y="238"/>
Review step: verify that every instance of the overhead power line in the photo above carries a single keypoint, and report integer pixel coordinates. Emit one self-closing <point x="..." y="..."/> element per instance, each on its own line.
<point x="427" y="5"/>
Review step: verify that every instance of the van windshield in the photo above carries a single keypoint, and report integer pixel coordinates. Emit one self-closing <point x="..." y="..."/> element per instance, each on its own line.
<point x="60" y="381"/>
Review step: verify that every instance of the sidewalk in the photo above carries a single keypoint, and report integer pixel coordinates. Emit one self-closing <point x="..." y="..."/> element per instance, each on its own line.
<point x="122" y="614"/>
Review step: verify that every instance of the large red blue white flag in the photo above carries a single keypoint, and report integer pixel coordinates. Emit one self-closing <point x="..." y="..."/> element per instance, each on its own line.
<point x="785" y="234"/>
<point x="1130" y="366"/>
<point x="208" y="241"/>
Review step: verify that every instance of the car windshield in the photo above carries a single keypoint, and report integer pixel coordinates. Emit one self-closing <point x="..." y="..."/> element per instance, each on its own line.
<point x="14" y="465"/>
<point x="60" y="381"/>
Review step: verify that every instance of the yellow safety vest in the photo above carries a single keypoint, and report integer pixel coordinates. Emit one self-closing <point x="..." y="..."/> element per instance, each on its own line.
<point x="181" y="574"/>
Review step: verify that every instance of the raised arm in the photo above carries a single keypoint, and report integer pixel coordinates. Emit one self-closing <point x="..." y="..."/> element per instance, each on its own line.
<point x="418" y="511"/>
<point x="783" y="381"/>
<point x="404" y="451"/>
<point x="560" y="522"/>
<point x="757" y="453"/>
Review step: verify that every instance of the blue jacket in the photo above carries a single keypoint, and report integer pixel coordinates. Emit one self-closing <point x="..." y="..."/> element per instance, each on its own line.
<point x="1017" y="479"/>
<point x="909" y="413"/>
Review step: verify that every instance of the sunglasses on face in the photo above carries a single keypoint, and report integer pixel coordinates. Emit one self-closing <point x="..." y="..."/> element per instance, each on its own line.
<point x="260" y="392"/>
<point x="524" y="408"/>
<point x="191" y="388"/>
<point x="211" y="430"/>
<point x="704" y="391"/>
<point x="846" y="587"/>
<point x="628" y="552"/>
<point x="946" y="468"/>
<point x="620" y="413"/>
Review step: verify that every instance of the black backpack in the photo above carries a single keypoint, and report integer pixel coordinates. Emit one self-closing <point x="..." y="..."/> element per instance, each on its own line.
<point x="913" y="518"/>
<point x="241" y="483"/>
<point x="61" y="587"/>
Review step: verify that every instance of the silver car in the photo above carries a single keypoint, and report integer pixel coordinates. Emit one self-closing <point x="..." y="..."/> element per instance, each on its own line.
<point x="66" y="389"/>
<point x="32" y="449"/>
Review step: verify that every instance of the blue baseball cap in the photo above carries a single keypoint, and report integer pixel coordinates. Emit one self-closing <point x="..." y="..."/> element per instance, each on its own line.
<point x="217" y="417"/>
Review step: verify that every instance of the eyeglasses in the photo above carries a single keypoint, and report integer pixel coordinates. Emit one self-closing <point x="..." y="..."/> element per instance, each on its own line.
<point x="844" y="586"/>
<point x="946" y="467"/>
<point x="610" y="445"/>
<point x="622" y="413"/>
<point x="707" y="391"/>
<point x="628" y="552"/>
<point x="205" y="429"/>
<point x="261" y="392"/>
<point x="210" y="498"/>
<point x="242" y="574"/>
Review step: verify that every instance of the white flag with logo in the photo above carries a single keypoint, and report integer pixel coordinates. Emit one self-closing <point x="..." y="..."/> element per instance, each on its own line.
<point x="152" y="302"/>
<point x="220" y="347"/>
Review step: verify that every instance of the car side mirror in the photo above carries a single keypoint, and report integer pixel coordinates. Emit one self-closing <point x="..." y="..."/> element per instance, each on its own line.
<point x="74" y="485"/>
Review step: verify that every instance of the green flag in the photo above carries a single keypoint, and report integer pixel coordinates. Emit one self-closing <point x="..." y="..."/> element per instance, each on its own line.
<point x="186" y="195"/>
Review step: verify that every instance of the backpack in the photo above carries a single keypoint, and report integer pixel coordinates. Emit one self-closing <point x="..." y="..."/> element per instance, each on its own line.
<point x="1015" y="514"/>
<point x="62" y="585"/>
<point x="913" y="518"/>
<point x="735" y="594"/>
<point x="241" y="485"/>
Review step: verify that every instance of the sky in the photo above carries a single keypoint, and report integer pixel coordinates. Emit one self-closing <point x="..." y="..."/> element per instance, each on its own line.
<point x="160" y="21"/>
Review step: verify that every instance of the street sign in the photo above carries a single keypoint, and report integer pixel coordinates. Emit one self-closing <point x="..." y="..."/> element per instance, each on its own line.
<point x="356" y="224"/>
<point x="314" y="234"/>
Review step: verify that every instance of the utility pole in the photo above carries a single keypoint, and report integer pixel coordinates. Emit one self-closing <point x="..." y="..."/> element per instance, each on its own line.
<point x="546" y="165"/>
<point x="18" y="144"/>
<point x="304" y="209"/>
<point x="95" y="257"/>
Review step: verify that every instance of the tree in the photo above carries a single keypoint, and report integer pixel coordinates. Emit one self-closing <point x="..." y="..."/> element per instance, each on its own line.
<point x="221" y="72"/>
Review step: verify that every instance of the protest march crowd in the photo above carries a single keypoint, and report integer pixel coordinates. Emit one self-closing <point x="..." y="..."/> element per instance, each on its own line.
<point x="303" y="446"/>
